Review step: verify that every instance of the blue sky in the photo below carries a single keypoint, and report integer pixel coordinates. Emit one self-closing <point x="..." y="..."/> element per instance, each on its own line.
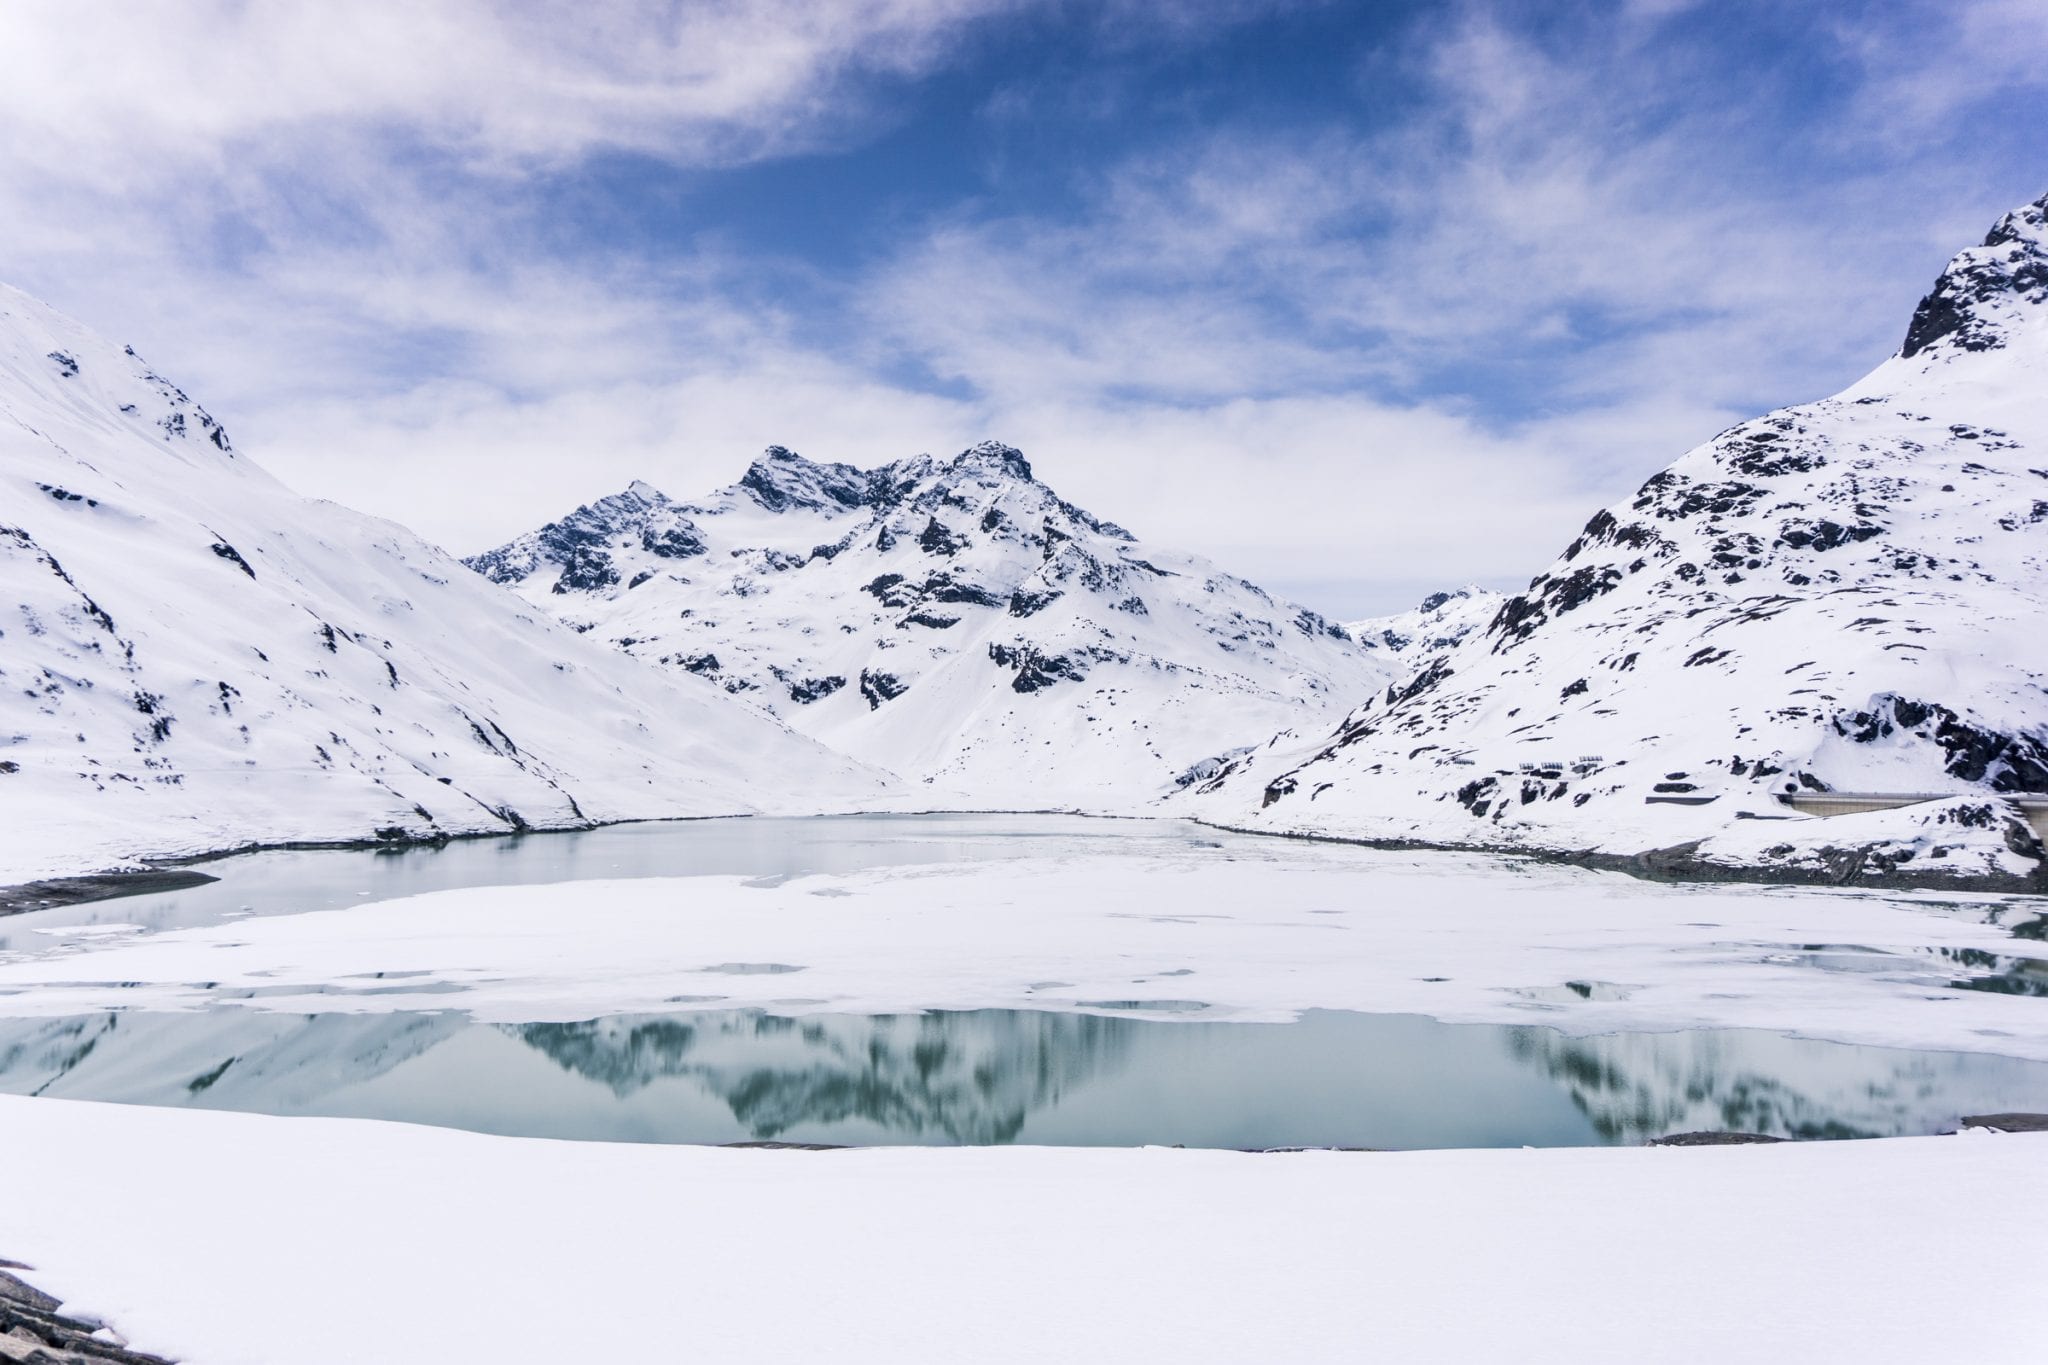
<point x="1359" y="299"/>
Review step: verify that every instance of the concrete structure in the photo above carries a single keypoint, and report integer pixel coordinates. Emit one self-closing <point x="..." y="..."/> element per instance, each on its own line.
<point x="2032" y="806"/>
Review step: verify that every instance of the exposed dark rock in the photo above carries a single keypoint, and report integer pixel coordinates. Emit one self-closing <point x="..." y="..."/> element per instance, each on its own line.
<point x="1312" y="624"/>
<point x="1036" y="670"/>
<point x="1007" y="461"/>
<point x="891" y="590"/>
<point x="2012" y="264"/>
<point x="2005" y="762"/>
<point x="678" y="541"/>
<point x="1476" y="795"/>
<point x="1438" y="670"/>
<point x="151" y="704"/>
<point x="1824" y="535"/>
<point x="782" y="479"/>
<point x="2008" y="1123"/>
<point x="586" y="568"/>
<point x="1711" y="1139"/>
<point x="233" y="556"/>
<point x="939" y="539"/>
<point x="812" y="689"/>
<point x="879" y="687"/>
<point x="1029" y="602"/>
<point x="35" y="1329"/>
<point x="942" y="587"/>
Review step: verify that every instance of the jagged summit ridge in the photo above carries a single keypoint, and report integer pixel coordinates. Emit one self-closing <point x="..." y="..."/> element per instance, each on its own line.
<point x="1987" y="290"/>
<point x="577" y="546"/>
<point x="954" y="620"/>
<point x="781" y="478"/>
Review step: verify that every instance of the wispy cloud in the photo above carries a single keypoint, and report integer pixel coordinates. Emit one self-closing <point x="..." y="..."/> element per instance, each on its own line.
<point x="150" y="89"/>
<point x="1505" y="266"/>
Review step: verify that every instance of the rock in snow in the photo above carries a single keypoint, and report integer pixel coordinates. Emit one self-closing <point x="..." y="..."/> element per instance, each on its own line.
<point x="954" y="621"/>
<point x="1847" y="595"/>
<point x="192" y="657"/>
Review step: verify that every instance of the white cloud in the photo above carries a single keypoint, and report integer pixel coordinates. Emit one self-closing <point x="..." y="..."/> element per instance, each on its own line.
<point x="1282" y="348"/>
<point x="150" y="89"/>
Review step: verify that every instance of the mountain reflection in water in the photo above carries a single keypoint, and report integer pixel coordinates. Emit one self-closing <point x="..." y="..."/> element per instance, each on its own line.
<point x="1329" y="1078"/>
<point x="969" y="1077"/>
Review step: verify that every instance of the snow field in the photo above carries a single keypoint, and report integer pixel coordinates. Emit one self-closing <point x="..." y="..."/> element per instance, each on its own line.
<point x="237" y="1240"/>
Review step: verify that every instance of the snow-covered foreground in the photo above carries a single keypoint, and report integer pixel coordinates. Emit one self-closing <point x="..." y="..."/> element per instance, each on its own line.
<point x="201" y="1236"/>
<point x="1230" y="928"/>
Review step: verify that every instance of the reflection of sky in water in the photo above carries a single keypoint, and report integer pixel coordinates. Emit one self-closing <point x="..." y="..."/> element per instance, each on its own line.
<point x="1330" y="1079"/>
<point x="289" y="881"/>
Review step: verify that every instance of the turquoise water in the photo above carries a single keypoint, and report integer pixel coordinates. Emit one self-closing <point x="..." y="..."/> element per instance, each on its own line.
<point x="1331" y="1078"/>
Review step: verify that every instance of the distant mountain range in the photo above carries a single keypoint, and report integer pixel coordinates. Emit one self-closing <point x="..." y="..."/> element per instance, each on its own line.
<point x="1843" y="596"/>
<point x="953" y="621"/>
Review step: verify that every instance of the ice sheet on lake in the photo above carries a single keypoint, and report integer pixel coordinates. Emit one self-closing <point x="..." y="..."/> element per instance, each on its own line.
<point x="1246" y="932"/>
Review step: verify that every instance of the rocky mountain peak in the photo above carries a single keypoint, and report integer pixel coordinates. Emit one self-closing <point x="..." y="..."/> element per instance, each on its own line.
<point x="997" y="458"/>
<point x="1845" y="595"/>
<point x="782" y="479"/>
<point x="1987" y="290"/>
<point x="952" y="618"/>
<point x="628" y="508"/>
<point x="583" y="544"/>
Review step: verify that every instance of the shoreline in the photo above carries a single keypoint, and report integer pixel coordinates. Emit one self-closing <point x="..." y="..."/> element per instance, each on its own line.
<point x="1677" y="865"/>
<point x="1673" y="865"/>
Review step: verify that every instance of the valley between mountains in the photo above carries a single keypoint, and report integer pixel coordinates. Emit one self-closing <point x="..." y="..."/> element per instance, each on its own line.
<point x="1845" y="596"/>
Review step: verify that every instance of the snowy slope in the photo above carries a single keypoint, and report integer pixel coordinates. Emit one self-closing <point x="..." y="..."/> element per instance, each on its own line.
<point x="1014" y="1255"/>
<point x="193" y="657"/>
<point x="953" y="621"/>
<point x="1848" y="595"/>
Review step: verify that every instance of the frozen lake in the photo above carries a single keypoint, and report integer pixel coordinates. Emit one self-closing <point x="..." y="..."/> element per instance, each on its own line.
<point x="1018" y="979"/>
<point x="762" y="849"/>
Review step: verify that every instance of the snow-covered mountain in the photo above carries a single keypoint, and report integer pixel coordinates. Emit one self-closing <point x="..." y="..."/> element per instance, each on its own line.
<point x="193" y="657"/>
<point x="1442" y="620"/>
<point x="1847" y="595"/>
<point x="954" y="621"/>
